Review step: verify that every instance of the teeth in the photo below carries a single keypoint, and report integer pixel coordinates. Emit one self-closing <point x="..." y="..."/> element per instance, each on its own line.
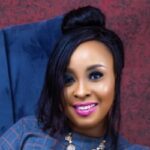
<point x="85" y="107"/>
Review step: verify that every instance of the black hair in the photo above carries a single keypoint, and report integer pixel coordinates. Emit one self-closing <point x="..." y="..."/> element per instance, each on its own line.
<point x="78" y="26"/>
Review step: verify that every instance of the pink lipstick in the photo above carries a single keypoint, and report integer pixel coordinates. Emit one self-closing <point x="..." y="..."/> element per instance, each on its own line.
<point x="85" y="109"/>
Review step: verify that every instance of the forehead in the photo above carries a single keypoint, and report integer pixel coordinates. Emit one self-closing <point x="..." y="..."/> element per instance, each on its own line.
<point x="91" y="52"/>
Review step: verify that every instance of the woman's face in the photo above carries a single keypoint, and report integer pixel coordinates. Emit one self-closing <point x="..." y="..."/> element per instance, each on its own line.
<point x="89" y="88"/>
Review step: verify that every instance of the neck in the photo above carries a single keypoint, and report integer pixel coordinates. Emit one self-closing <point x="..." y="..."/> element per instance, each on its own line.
<point x="91" y="132"/>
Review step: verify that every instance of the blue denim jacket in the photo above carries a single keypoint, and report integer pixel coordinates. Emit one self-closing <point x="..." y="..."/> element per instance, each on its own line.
<point x="26" y="135"/>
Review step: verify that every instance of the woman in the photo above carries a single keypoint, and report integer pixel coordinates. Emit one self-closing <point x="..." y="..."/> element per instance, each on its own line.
<point x="79" y="107"/>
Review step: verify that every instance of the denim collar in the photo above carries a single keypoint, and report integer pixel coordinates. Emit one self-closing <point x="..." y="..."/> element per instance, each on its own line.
<point x="83" y="142"/>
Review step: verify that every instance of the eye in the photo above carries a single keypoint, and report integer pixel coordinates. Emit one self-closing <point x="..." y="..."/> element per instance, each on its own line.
<point x="68" y="79"/>
<point x="95" y="75"/>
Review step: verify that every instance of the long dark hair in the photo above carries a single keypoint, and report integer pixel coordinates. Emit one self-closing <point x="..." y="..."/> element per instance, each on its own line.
<point x="80" y="25"/>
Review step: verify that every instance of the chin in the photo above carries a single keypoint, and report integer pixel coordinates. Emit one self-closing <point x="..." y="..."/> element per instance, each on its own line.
<point x="86" y="124"/>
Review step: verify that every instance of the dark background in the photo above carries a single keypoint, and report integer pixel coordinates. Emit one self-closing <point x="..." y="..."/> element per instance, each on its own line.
<point x="131" y="20"/>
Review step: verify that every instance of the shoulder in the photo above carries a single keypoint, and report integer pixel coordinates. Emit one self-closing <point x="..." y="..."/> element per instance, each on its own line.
<point x="125" y="145"/>
<point x="137" y="147"/>
<point x="25" y="124"/>
<point x="26" y="134"/>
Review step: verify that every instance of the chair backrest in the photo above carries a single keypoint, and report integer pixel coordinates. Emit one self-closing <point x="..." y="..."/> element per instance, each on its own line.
<point x="24" y="52"/>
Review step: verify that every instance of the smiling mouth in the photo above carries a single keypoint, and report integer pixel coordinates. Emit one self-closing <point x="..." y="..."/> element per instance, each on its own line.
<point x="85" y="110"/>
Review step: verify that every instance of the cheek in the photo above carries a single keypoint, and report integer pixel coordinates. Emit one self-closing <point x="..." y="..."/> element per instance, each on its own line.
<point x="105" y="90"/>
<point x="68" y="92"/>
<point x="67" y="96"/>
<point x="105" y="95"/>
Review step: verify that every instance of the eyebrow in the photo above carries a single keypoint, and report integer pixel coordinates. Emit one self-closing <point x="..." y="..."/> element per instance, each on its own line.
<point x="90" y="67"/>
<point x="95" y="66"/>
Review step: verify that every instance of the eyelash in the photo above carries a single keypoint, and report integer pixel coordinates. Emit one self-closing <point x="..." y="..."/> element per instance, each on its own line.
<point x="68" y="79"/>
<point x="94" y="76"/>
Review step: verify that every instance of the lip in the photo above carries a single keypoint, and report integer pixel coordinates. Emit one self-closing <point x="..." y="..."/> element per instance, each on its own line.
<point x="83" y="104"/>
<point x="85" y="109"/>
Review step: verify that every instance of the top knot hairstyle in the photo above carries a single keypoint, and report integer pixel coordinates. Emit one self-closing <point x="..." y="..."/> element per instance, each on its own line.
<point x="78" y="26"/>
<point x="87" y="16"/>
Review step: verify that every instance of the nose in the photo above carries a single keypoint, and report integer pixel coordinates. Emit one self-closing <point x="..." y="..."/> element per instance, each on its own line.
<point x="82" y="91"/>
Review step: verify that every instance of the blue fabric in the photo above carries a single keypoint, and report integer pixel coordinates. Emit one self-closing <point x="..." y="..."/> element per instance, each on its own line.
<point x="27" y="135"/>
<point x="24" y="52"/>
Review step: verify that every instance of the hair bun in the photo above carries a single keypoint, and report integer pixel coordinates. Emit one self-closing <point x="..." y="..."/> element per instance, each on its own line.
<point x="83" y="17"/>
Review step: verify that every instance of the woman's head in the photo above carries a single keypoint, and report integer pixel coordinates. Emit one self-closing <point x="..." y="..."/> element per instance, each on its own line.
<point x="89" y="88"/>
<point x="82" y="27"/>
